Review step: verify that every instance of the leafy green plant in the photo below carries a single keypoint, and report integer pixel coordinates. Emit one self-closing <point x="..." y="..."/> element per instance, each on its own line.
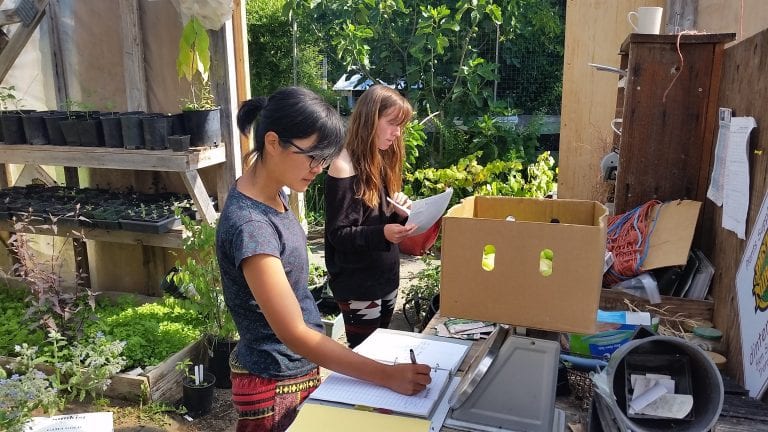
<point x="8" y="97"/>
<point x="419" y="293"/>
<point x="52" y="304"/>
<point x="199" y="279"/>
<point x="14" y="329"/>
<point x="152" y="331"/>
<point x="21" y="395"/>
<point x="193" y="63"/>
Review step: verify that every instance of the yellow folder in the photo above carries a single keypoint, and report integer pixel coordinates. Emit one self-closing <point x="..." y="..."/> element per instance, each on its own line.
<point x="314" y="417"/>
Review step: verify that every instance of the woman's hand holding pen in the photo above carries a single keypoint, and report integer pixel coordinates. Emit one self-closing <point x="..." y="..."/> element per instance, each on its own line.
<point x="408" y="378"/>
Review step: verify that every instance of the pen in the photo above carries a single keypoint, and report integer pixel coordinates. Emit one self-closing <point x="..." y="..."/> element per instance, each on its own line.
<point x="413" y="357"/>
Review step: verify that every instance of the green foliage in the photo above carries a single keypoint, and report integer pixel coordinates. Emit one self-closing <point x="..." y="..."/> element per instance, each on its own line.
<point x="51" y="304"/>
<point x="199" y="279"/>
<point x="270" y="48"/>
<point x="81" y="368"/>
<point x="193" y="63"/>
<point x="21" y="395"/>
<point x="152" y="331"/>
<point x="498" y="177"/>
<point x="8" y="97"/>
<point x="14" y="329"/>
<point x="419" y="293"/>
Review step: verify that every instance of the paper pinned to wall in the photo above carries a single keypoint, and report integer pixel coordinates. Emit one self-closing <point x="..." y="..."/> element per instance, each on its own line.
<point x="736" y="184"/>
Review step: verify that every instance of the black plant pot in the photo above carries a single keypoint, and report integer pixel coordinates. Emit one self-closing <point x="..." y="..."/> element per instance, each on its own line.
<point x="55" y="135"/>
<point x="13" y="128"/>
<point x="177" y="124"/>
<point x="218" y="364"/>
<point x="133" y="134"/>
<point x="155" y="132"/>
<point x="178" y="143"/>
<point x="90" y="132"/>
<point x="203" y="127"/>
<point x="113" y="132"/>
<point x="198" y="399"/>
<point x="71" y="131"/>
<point x="34" y="128"/>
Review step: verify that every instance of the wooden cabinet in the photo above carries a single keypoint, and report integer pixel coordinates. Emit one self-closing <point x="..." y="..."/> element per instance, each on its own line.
<point x="667" y="103"/>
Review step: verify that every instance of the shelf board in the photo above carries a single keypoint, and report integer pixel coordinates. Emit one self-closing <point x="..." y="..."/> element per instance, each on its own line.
<point x="171" y="239"/>
<point x="114" y="158"/>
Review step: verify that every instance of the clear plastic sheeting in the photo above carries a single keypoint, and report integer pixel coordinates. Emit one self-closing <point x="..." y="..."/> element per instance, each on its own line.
<point x="211" y="13"/>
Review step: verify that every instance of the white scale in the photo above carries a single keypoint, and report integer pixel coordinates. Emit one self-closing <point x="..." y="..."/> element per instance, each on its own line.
<point x="510" y="386"/>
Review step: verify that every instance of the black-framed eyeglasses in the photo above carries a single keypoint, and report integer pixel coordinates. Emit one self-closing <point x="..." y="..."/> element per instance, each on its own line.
<point x="314" y="162"/>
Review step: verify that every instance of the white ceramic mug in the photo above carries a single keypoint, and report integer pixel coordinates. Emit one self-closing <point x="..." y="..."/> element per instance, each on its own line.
<point x="648" y="20"/>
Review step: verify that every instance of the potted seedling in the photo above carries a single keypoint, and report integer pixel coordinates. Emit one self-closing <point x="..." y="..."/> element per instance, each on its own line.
<point x="199" y="279"/>
<point x="201" y="114"/>
<point x="197" y="388"/>
<point x="11" y="119"/>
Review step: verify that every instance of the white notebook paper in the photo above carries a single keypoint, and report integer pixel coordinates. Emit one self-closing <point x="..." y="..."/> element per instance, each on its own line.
<point x="389" y="346"/>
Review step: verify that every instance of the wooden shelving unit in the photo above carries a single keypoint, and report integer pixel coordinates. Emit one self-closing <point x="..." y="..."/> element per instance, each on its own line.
<point x="185" y="163"/>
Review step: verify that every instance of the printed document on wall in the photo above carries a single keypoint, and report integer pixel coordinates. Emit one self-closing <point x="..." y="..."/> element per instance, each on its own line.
<point x="736" y="188"/>
<point x="717" y="179"/>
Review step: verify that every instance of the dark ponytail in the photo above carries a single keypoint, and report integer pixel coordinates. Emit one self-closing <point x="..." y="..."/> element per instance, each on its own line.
<point x="292" y="113"/>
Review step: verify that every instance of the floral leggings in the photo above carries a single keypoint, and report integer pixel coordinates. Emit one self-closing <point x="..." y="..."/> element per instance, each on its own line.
<point x="267" y="404"/>
<point x="363" y="317"/>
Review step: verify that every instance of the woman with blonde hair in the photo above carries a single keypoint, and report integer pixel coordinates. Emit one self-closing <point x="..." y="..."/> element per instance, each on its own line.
<point x="362" y="228"/>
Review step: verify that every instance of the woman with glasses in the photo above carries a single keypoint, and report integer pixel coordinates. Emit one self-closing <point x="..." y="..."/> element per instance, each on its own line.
<point x="362" y="228"/>
<point x="262" y="252"/>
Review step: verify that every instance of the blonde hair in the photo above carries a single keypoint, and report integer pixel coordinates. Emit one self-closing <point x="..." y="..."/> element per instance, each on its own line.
<point x="375" y="168"/>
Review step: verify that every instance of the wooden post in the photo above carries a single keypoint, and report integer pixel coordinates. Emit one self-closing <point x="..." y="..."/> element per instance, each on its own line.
<point x="133" y="56"/>
<point x="242" y="65"/>
<point x="681" y="15"/>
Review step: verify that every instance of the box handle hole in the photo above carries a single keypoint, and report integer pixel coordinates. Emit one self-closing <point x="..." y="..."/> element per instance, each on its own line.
<point x="546" y="261"/>
<point x="489" y="257"/>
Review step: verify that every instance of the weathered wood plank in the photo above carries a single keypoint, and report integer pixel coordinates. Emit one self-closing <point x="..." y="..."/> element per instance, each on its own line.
<point x="744" y="89"/>
<point x="133" y="56"/>
<point x="19" y="40"/>
<point x="165" y="380"/>
<point x="171" y="239"/>
<point x="196" y="189"/>
<point x="700" y="310"/>
<point x="114" y="158"/>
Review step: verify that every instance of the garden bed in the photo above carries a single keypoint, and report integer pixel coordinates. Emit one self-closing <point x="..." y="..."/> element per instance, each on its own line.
<point x="159" y="382"/>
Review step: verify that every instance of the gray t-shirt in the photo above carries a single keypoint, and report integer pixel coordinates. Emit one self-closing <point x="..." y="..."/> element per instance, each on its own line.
<point x="246" y="228"/>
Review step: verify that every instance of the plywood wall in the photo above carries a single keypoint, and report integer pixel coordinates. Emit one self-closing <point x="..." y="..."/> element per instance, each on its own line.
<point x="744" y="89"/>
<point x="593" y="32"/>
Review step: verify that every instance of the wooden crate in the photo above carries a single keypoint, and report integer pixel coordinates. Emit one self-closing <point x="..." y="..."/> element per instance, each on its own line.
<point x="699" y="310"/>
<point x="163" y="380"/>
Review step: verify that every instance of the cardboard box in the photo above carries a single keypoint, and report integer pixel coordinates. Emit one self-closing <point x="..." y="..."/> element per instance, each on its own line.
<point x="516" y="291"/>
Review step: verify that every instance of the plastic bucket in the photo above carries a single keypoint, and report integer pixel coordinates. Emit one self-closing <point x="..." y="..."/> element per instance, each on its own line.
<point x="705" y="380"/>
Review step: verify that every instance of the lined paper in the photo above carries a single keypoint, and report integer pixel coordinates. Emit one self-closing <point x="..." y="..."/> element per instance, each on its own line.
<point x="341" y="388"/>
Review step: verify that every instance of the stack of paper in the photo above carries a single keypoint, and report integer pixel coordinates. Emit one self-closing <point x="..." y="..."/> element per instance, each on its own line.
<point x="391" y="346"/>
<point x="465" y="329"/>
<point x="654" y="395"/>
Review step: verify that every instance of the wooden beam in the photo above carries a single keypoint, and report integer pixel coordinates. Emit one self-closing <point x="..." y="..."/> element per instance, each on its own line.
<point x="19" y="40"/>
<point x="242" y="64"/>
<point x="112" y="158"/>
<point x="9" y="16"/>
<point x="133" y="55"/>
<point x="170" y="239"/>
<point x="196" y="189"/>
<point x="224" y="89"/>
